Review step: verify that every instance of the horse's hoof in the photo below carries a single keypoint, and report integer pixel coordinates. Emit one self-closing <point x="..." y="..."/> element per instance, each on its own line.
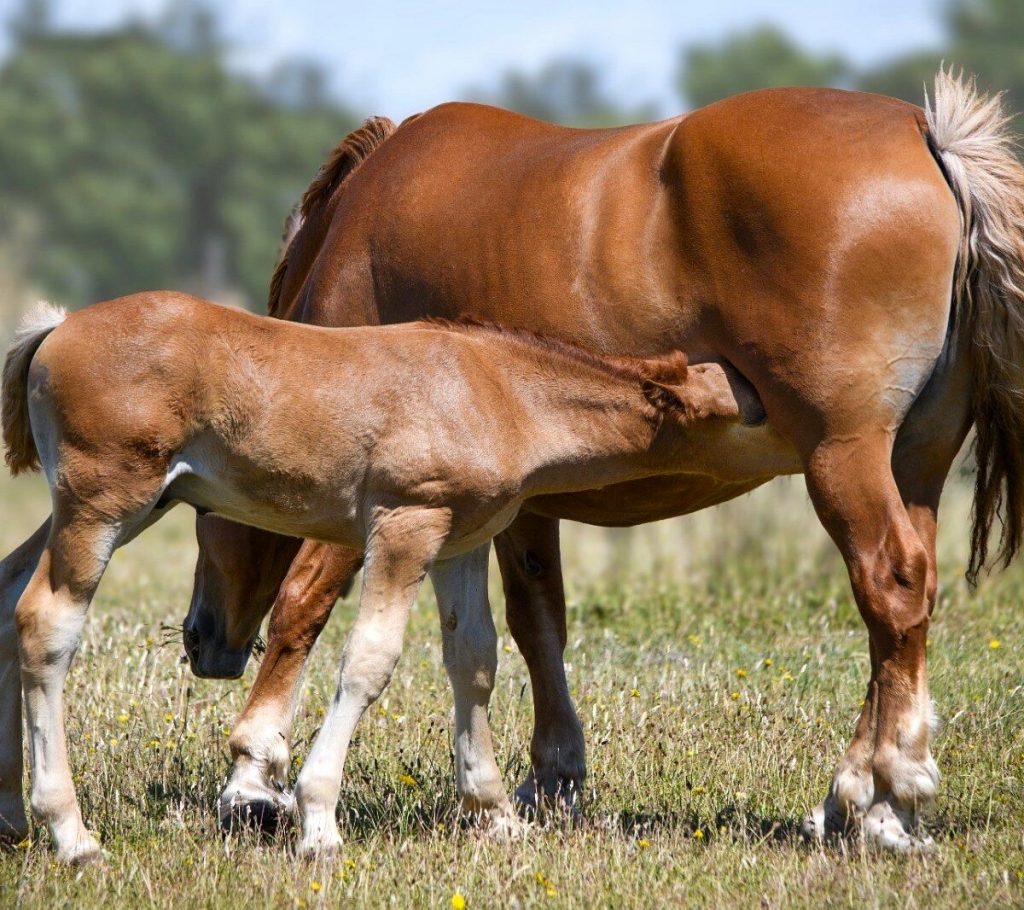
<point x="533" y="803"/>
<point x="887" y="828"/>
<point x="266" y="812"/>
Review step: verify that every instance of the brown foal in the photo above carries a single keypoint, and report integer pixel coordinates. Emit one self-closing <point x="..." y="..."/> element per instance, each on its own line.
<point x="416" y="443"/>
<point x="859" y="260"/>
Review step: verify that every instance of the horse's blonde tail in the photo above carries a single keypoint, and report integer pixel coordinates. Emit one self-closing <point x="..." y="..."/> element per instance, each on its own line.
<point x="969" y="134"/>
<point x="21" y="454"/>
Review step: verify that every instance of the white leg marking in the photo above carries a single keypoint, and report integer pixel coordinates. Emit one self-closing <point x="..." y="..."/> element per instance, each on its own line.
<point x="470" y="657"/>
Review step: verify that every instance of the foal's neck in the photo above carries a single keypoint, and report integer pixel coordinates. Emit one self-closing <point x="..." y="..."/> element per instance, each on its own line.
<point x="601" y="430"/>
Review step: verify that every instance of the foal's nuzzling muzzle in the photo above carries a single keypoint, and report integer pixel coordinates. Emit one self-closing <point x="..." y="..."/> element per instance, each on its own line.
<point x="238" y="573"/>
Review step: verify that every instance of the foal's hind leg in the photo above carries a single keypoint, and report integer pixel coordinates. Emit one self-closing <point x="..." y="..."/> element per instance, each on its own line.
<point x="400" y="549"/>
<point x="49" y="617"/>
<point x="858" y="501"/>
<point x="470" y="645"/>
<point x="15" y="572"/>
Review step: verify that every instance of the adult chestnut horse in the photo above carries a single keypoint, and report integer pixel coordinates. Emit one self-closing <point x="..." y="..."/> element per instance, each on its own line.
<point x="858" y="259"/>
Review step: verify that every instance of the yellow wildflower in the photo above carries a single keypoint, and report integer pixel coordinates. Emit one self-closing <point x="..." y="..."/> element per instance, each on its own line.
<point x="315" y="886"/>
<point x="169" y="717"/>
<point x="995" y="643"/>
<point x="458" y="901"/>
<point x="643" y="843"/>
<point x="122" y="718"/>
<point x="735" y="696"/>
<point x="768" y="661"/>
<point x="741" y="673"/>
<point x="634" y="693"/>
<point x="698" y="834"/>
<point x="408" y="780"/>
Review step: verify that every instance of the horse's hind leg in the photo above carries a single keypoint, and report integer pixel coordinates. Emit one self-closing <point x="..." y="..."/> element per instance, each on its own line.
<point x="926" y="447"/>
<point x="49" y="617"/>
<point x="470" y="645"/>
<point x="15" y="572"/>
<point x="857" y="498"/>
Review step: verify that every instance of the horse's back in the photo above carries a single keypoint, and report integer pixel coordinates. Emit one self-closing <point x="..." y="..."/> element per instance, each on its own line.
<point x="805" y="235"/>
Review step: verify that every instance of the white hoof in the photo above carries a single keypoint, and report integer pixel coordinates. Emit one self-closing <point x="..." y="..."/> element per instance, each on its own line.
<point x="320" y="835"/>
<point x="84" y="849"/>
<point x="321" y="844"/>
<point x="501" y="825"/>
<point x="888" y="828"/>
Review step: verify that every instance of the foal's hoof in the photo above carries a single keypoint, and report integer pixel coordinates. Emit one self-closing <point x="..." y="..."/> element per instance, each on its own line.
<point x="320" y="845"/>
<point x="84" y="851"/>
<point x="502" y="826"/>
<point x="267" y="811"/>
<point x="888" y="828"/>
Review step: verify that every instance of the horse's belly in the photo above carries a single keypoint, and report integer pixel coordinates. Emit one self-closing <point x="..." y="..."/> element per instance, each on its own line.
<point x="640" y="501"/>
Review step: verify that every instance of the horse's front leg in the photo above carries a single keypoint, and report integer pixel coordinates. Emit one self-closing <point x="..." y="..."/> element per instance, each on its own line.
<point x="470" y="645"/>
<point x="530" y="561"/>
<point x="400" y="549"/>
<point x="15" y="572"/>
<point x="261" y="740"/>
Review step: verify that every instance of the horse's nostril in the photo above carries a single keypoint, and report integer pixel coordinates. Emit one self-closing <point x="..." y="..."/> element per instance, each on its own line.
<point x="190" y="638"/>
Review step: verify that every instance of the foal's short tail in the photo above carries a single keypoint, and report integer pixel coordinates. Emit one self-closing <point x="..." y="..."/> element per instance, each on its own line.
<point x="970" y="137"/>
<point x="21" y="454"/>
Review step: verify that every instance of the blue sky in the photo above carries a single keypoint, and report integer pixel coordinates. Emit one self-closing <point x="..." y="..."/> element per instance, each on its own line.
<point x="397" y="57"/>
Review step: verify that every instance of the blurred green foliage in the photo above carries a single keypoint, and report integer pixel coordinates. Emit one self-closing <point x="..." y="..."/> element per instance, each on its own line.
<point x="565" y="91"/>
<point x="762" y="57"/>
<point x="136" y="159"/>
<point x="985" y="37"/>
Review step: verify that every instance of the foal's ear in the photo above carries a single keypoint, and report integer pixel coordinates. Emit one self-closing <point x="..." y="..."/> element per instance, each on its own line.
<point x="706" y="392"/>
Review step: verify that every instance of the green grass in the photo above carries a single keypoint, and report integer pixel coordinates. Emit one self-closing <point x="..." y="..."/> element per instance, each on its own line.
<point x="717" y="664"/>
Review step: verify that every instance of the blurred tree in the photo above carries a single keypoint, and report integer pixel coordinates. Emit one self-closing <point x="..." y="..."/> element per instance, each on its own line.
<point x="563" y="91"/>
<point x="759" y="58"/>
<point x="985" y="37"/>
<point x="135" y="159"/>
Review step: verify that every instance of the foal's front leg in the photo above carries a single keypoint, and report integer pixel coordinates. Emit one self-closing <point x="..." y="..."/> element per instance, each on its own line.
<point x="15" y="572"/>
<point x="470" y="645"/>
<point x="401" y="546"/>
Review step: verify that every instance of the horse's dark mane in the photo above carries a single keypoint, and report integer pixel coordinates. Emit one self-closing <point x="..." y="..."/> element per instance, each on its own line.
<point x="342" y="162"/>
<point x="668" y="368"/>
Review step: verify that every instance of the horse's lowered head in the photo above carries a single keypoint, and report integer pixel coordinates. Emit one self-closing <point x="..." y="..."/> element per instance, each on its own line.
<point x="238" y="573"/>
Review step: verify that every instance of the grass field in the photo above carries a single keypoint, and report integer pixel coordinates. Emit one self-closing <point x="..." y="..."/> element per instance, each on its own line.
<point x="717" y="663"/>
